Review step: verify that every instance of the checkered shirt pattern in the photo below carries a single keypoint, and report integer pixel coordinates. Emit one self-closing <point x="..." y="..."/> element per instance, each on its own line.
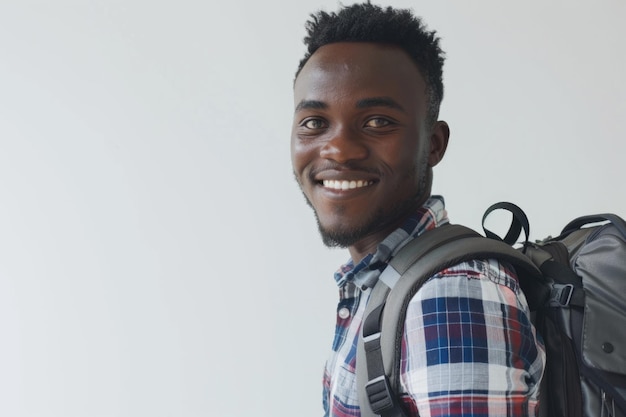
<point x="468" y="347"/>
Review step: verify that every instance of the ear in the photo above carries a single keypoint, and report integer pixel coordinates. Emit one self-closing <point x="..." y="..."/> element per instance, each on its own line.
<point x="439" y="135"/>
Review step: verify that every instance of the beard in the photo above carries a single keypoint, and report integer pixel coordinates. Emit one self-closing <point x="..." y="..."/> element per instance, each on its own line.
<point x="344" y="237"/>
<point x="381" y="219"/>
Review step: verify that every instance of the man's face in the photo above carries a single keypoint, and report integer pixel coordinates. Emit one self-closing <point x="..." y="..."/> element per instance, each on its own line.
<point x="359" y="144"/>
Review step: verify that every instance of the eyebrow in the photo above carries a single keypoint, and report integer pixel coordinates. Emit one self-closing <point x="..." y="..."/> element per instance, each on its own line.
<point x="379" y="102"/>
<point x="311" y="104"/>
<point x="361" y="104"/>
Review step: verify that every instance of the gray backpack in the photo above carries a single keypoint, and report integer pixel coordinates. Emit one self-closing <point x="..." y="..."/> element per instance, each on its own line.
<point x="575" y="285"/>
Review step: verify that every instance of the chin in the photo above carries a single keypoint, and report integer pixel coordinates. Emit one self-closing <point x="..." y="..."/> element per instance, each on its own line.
<point x="344" y="235"/>
<point x="338" y="240"/>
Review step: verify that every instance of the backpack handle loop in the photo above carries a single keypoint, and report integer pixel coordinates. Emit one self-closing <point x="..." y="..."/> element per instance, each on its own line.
<point x="579" y="222"/>
<point x="519" y="222"/>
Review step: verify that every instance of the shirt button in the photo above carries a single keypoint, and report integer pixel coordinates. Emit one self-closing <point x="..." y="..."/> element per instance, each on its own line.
<point x="344" y="313"/>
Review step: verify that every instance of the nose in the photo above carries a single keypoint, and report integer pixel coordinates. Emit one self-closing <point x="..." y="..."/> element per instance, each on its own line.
<point x="344" y="145"/>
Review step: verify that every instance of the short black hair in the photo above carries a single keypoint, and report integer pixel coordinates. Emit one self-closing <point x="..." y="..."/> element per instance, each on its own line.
<point x="370" y="23"/>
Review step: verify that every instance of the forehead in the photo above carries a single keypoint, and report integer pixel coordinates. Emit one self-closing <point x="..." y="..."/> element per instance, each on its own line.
<point x="357" y="69"/>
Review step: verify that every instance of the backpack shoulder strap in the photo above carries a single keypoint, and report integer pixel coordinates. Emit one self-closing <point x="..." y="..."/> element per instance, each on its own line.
<point x="378" y="350"/>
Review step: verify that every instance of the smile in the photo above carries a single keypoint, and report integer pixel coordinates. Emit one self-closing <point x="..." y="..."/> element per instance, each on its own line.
<point x="346" y="185"/>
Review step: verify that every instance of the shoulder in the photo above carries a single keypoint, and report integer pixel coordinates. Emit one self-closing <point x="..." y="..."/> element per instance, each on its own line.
<point x="468" y="330"/>
<point x="482" y="289"/>
<point x="480" y="278"/>
<point x="501" y="273"/>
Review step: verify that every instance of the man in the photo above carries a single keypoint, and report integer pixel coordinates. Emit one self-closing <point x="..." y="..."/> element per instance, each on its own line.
<point x="365" y="138"/>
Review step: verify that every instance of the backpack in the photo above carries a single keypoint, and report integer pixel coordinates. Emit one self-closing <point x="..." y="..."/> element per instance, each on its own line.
<point x="575" y="285"/>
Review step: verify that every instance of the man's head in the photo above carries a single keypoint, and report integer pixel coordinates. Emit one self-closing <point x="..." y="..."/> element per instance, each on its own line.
<point x="365" y="135"/>
<point x="371" y="23"/>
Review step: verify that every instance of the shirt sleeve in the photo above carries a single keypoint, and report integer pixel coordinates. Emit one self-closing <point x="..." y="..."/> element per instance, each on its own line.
<point x="469" y="348"/>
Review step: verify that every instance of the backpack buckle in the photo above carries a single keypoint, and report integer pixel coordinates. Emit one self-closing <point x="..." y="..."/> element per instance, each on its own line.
<point x="379" y="394"/>
<point x="561" y="295"/>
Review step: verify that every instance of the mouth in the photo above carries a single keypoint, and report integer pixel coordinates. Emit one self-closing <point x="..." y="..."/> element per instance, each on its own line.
<point x="345" y="184"/>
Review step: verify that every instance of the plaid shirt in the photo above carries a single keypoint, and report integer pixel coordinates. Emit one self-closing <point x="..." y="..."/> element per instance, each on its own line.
<point x="468" y="348"/>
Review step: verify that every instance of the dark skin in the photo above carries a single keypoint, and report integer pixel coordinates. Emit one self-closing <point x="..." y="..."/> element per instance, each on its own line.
<point x="362" y="149"/>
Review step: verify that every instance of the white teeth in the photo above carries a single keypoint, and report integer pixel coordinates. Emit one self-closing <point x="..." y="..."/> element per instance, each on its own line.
<point x="346" y="185"/>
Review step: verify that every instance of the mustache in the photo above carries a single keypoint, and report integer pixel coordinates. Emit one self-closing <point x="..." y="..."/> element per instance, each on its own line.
<point x="348" y="166"/>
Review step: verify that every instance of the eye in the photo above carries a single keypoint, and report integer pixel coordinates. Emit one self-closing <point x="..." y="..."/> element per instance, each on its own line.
<point x="377" y="122"/>
<point x="313" y="123"/>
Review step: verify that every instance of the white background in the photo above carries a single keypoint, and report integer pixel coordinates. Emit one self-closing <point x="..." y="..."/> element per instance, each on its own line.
<point x="156" y="256"/>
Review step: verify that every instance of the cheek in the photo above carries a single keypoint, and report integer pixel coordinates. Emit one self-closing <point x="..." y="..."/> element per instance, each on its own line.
<point x="408" y="171"/>
<point x="301" y="155"/>
<point x="402" y="158"/>
<point x="296" y="154"/>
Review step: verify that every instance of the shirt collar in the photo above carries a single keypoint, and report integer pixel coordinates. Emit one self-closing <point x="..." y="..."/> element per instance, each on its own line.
<point x="365" y="274"/>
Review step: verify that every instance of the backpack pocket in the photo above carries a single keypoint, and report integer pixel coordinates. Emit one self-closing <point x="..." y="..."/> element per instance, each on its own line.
<point x="601" y="263"/>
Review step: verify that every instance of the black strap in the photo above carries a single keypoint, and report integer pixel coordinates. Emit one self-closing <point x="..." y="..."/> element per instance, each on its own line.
<point x="519" y="222"/>
<point x="567" y="289"/>
<point x="376" y="388"/>
<point x="371" y="340"/>
<point x="561" y="273"/>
